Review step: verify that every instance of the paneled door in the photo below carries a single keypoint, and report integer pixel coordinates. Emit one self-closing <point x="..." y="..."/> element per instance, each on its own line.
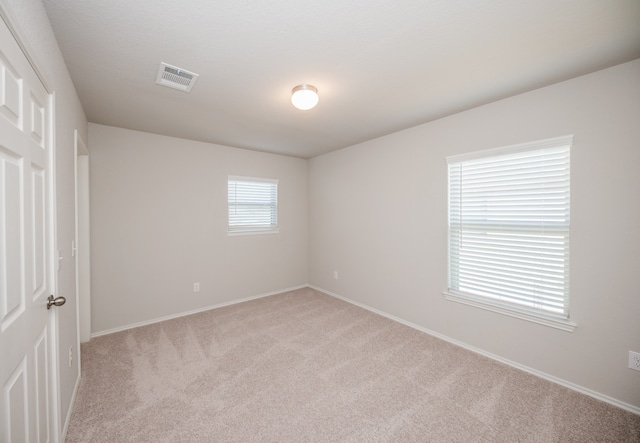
<point x="27" y="326"/>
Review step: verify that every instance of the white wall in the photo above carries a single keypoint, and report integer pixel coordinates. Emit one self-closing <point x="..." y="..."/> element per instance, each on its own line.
<point x="35" y="30"/>
<point x="159" y="224"/>
<point x="378" y="215"/>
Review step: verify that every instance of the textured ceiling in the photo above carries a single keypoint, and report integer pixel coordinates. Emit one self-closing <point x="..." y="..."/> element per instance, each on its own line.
<point x="379" y="65"/>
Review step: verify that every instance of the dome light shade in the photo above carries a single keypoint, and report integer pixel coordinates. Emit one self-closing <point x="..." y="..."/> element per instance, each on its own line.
<point x="304" y="97"/>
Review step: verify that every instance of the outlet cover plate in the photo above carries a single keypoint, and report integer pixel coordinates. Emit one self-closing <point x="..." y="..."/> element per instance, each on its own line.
<point x="634" y="360"/>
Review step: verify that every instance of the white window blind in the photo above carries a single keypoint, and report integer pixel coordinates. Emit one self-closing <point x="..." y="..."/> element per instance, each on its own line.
<point x="253" y="205"/>
<point x="509" y="227"/>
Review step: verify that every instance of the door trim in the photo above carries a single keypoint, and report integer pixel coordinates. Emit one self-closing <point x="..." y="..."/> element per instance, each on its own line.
<point x="13" y="24"/>
<point x="82" y="240"/>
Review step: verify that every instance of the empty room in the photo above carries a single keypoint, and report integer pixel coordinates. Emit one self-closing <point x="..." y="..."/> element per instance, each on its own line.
<point x="286" y="221"/>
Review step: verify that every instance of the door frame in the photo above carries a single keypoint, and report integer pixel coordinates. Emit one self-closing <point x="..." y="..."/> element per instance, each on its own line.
<point x="82" y="245"/>
<point x="13" y="24"/>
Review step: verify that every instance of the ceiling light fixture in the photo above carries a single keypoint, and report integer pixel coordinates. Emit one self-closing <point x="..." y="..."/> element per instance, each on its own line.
<point x="304" y="97"/>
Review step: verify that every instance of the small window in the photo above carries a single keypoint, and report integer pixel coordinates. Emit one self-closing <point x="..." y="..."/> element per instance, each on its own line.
<point x="509" y="230"/>
<point x="253" y="205"/>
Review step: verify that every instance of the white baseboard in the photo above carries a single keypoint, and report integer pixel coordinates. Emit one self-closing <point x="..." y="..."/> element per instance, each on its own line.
<point x="193" y="311"/>
<point x="551" y="378"/>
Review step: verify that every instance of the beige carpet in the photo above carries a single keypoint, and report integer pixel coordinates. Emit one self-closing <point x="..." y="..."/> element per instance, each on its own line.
<point x="305" y="367"/>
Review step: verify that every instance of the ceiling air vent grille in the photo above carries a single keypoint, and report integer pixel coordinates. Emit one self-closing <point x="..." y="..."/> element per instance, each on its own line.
<point x="175" y="77"/>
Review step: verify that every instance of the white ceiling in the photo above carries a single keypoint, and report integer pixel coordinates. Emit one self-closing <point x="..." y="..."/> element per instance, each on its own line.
<point x="379" y="65"/>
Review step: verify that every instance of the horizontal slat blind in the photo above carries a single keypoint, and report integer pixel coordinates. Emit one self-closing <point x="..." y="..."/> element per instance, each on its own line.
<point x="509" y="229"/>
<point x="253" y="204"/>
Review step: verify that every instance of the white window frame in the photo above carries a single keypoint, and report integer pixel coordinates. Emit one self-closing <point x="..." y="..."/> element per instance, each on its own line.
<point x="238" y="224"/>
<point x="477" y="226"/>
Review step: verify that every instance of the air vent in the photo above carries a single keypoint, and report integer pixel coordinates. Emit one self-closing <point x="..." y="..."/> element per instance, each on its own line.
<point x="176" y="78"/>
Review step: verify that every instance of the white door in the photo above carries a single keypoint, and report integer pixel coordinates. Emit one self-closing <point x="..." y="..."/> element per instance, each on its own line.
<point x="27" y="327"/>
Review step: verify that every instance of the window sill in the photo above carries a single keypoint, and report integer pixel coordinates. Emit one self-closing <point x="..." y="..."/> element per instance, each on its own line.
<point x="236" y="233"/>
<point x="564" y="325"/>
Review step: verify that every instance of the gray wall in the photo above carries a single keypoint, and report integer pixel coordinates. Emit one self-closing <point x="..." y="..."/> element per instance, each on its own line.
<point x="378" y="216"/>
<point x="159" y="224"/>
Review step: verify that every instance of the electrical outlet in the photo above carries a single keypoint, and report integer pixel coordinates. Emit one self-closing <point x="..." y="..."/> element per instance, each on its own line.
<point x="335" y="275"/>
<point x="634" y="360"/>
<point x="196" y="287"/>
<point x="70" y="355"/>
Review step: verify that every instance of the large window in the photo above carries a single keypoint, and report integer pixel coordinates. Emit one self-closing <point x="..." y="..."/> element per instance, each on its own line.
<point x="253" y="205"/>
<point x="509" y="230"/>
